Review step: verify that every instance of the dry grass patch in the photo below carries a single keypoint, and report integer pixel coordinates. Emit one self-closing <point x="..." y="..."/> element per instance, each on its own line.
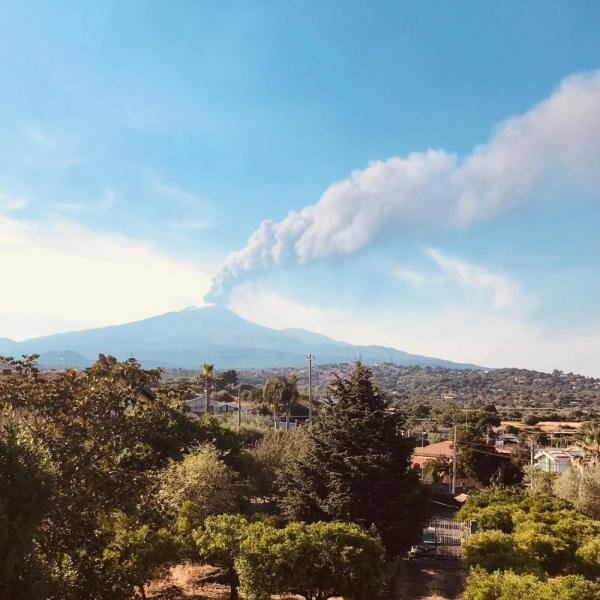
<point x="184" y="582"/>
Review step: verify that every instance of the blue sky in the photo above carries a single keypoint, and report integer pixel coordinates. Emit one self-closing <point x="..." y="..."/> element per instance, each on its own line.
<point x="143" y="142"/>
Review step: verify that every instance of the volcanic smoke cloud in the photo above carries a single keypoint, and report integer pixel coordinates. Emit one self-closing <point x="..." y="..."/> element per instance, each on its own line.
<point x="558" y="140"/>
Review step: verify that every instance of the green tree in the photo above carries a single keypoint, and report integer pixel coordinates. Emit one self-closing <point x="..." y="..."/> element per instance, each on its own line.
<point x="588" y="557"/>
<point x="436" y="468"/>
<point x="280" y="393"/>
<point x="492" y="550"/>
<point x="315" y="561"/>
<point x="354" y="466"/>
<point x="135" y="552"/>
<point x="105" y="433"/>
<point x="25" y="495"/>
<point x="89" y="425"/>
<point x="198" y="486"/>
<point x="580" y="485"/>
<point x="269" y="456"/>
<point x="218" y="542"/>
<point x="510" y="586"/>
<point x="206" y="376"/>
<point x="476" y="458"/>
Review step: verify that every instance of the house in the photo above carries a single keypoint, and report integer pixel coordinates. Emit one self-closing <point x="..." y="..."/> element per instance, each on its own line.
<point x="557" y="460"/>
<point x="198" y="406"/>
<point x="506" y="439"/>
<point x="423" y="454"/>
<point x="444" y="450"/>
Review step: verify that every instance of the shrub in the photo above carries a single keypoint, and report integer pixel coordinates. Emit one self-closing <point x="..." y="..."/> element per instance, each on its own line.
<point x="588" y="558"/>
<point x="510" y="586"/>
<point x="492" y="550"/>
<point x="581" y="486"/>
<point x="219" y="543"/>
<point x="315" y="561"/>
<point x="134" y="551"/>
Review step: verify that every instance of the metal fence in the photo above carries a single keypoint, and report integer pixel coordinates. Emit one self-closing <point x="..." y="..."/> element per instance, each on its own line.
<point x="447" y="535"/>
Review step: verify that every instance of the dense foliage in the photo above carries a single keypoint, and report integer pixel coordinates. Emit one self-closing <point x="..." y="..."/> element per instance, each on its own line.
<point x="107" y="480"/>
<point x="79" y="503"/>
<point x="315" y="561"/>
<point x="529" y="533"/>
<point x="510" y="586"/>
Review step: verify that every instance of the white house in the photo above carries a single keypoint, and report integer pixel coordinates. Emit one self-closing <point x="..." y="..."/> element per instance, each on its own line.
<point x="198" y="406"/>
<point x="557" y="460"/>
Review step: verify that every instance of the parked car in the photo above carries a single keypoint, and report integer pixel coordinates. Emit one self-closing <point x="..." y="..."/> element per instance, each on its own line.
<point x="421" y="551"/>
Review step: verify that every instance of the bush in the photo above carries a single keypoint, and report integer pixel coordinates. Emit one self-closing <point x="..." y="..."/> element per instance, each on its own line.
<point x="492" y="550"/>
<point x="542" y="547"/>
<point x="510" y="586"/>
<point x="201" y="478"/>
<point x="315" y="561"/>
<point x="135" y="552"/>
<point x="582" y="488"/>
<point x="588" y="558"/>
<point x="198" y="486"/>
<point x="219" y="543"/>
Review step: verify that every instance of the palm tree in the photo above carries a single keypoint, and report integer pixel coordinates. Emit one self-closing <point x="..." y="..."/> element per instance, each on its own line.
<point x="281" y="392"/>
<point x="207" y="377"/>
<point x="591" y="434"/>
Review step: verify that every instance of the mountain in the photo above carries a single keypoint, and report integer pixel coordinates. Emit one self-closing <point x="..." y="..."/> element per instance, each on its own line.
<point x="214" y="334"/>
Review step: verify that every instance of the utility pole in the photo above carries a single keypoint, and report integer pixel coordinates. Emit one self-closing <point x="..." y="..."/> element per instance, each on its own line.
<point x="454" y="461"/>
<point x="310" y="357"/>
<point x="423" y="446"/>
<point x="239" y="399"/>
<point x="532" y="448"/>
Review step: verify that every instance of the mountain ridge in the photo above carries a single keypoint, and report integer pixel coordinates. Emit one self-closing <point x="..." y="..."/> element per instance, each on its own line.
<point x="215" y="334"/>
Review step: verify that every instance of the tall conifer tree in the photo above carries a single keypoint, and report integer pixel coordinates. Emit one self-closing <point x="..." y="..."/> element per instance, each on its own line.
<point x="355" y="466"/>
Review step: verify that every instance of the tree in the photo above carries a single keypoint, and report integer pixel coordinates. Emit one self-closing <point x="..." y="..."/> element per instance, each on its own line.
<point x="105" y="435"/>
<point x="198" y="486"/>
<point x="492" y="550"/>
<point x="315" y="561"/>
<point x="89" y="425"/>
<point x="436" y="468"/>
<point x="135" y="551"/>
<point x="581" y="486"/>
<point x="543" y="535"/>
<point x="590" y="432"/>
<point x="355" y="466"/>
<point x="476" y="458"/>
<point x="269" y="456"/>
<point x="206" y="375"/>
<point x="226" y="379"/>
<point x="588" y="558"/>
<point x="508" y="586"/>
<point x="25" y="495"/>
<point x="218" y="542"/>
<point x="280" y="393"/>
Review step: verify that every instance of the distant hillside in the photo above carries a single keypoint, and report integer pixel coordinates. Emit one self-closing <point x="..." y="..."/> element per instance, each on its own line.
<point x="214" y="334"/>
<point x="509" y="388"/>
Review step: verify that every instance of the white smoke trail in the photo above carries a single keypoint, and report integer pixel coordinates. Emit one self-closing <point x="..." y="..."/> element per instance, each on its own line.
<point x="559" y="139"/>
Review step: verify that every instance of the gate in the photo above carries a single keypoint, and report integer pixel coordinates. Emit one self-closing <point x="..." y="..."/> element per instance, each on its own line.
<point x="447" y="535"/>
